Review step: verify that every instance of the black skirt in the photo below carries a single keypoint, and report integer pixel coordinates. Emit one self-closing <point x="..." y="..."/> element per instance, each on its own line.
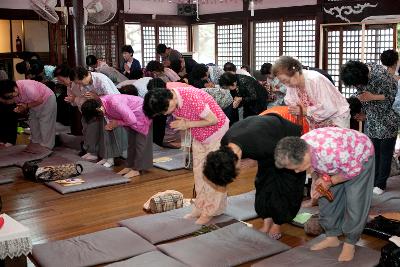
<point x="279" y="192"/>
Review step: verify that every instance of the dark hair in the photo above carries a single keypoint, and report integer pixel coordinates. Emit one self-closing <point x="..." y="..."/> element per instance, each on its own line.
<point x="355" y="105"/>
<point x="176" y="65"/>
<point x="156" y="83"/>
<point x="79" y="73"/>
<point x="198" y="83"/>
<point x="155" y="65"/>
<point x="266" y="69"/>
<point x="199" y="71"/>
<point x="62" y="70"/>
<point x="354" y="73"/>
<point x="135" y="74"/>
<point x="389" y="57"/>
<point x="156" y="101"/>
<point x="6" y="87"/>
<point x="220" y="166"/>
<point x="227" y="79"/>
<point x="91" y="60"/>
<point x="161" y="48"/>
<point x="36" y="67"/>
<point x="229" y="66"/>
<point x="290" y="149"/>
<point x="21" y="67"/>
<point x="129" y="89"/>
<point x="127" y="48"/>
<point x="90" y="109"/>
<point x="287" y="65"/>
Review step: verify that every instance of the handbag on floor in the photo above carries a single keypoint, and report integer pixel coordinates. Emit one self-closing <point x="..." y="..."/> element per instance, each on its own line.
<point x="164" y="201"/>
<point x="390" y="256"/>
<point x="32" y="171"/>
<point x="382" y="228"/>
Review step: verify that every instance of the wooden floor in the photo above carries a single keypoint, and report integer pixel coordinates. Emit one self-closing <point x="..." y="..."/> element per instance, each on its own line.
<point x="52" y="216"/>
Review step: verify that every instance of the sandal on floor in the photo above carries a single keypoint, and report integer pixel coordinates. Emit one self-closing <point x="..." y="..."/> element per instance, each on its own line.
<point x="275" y="236"/>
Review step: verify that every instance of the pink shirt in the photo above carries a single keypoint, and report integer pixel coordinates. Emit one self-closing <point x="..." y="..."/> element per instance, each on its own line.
<point x="31" y="91"/>
<point x="127" y="111"/>
<point x="195" y="104"/>
<point x="337" y="150"/>
<point x="326" y="100"/>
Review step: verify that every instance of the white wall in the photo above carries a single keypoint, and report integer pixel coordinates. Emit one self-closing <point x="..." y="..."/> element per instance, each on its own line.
<point x="217" y="6"/>
<point x="265" y="4"/>
<point x="15" y="4"/>
<point x="36" y="36"/>
<point x="158" y="7"/>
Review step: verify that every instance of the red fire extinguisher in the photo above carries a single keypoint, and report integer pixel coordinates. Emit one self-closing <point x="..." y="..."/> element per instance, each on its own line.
<point x="18" y="44"/>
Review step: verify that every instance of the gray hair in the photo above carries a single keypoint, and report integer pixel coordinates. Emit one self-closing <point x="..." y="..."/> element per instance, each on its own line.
<point x="290" y="150"/>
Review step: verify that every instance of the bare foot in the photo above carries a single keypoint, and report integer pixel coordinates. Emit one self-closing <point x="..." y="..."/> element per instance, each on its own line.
<point x="203" y="219"/>
<point x="347" y="253"/>
<point x="275" y="229"/>
<point x="309" y="203"/>
<point x="124" y="171"/>
<point x="329" y="242"/>
<point x="131" y="174"/>
<point x="266" y="226"/>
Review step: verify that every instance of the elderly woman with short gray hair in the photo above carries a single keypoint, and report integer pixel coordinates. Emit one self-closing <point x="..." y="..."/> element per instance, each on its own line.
<point x="341" y="161"/>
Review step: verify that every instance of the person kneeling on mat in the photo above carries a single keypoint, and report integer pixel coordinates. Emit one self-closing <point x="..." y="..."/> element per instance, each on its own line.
<point x="279" y="192"/>
<point x="342" y="163"/>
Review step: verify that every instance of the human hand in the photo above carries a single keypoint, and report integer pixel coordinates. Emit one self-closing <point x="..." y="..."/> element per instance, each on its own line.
<point x="209" y="85"/>
<point x="91" y="95"/>
<point x="111" y="125"/>
<point x="21" y="108"/>
<point x="236" y="102"/>
<point x="366" y="96"/>
<point x="294" y="110"/>
<point x="360" y="116"/>
<point x="320" y="188"/>
<point x="179" y="124"/>
<point x="126" y="68"/>
<point x="69" y="99"/>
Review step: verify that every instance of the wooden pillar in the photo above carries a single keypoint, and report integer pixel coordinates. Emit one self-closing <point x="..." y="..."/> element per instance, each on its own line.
<point x="76" y="51"/>
<point x="120" y="30"/>
<point x="76" y="35"/>
<point x="246" y="43"/>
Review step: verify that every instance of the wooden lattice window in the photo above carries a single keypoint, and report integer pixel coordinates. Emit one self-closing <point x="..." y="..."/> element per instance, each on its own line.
<point x="149" y="44"/>
<point x="229" y="44"/>
<point x="266" y="42"/>
<point x="299" y="40"/>
<point x="344" y="43"/>
<point x="101" y="41"/>
<point x="377" y="40"/>
<point x="334" y="55"/>
<point x="175" y="37"/>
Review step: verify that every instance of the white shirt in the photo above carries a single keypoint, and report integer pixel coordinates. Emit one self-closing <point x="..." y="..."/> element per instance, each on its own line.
<point x="141" y="85"/>
<point x="243" y="72"/>
<point x="101" y="85"/>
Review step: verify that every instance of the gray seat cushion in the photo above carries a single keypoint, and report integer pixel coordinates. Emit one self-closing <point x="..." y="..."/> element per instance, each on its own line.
<point x="390" y="199"/>
<point x="241" y="207"/>
<point x="228" y="246"/>
<point x="149" y="259"/>
<point x="6" y="179"/>
<point x="302" y="256"/>
<point x="176" y="159"/>
<point x="93" y="174"/>
<point x="96" y="248"/>
<point x="19" y="154"/>
<point x="166" y="226"/>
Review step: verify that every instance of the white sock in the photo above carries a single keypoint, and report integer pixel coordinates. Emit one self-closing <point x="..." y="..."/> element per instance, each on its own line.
<point x="101" y="162"/>
<point x="109" y="163"/>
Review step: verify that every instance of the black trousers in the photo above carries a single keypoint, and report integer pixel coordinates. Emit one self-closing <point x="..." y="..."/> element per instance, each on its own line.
<point x="8" y="130"/>
<point x="159" y="124"/>
<point x="384" y="149"/>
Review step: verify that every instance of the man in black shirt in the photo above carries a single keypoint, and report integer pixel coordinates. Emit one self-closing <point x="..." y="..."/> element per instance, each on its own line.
<point x="279" y="192"/>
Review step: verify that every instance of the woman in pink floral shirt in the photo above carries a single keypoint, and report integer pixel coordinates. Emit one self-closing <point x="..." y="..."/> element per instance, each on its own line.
<point x="197" y="111"/>
<point x="342" y="161"/>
